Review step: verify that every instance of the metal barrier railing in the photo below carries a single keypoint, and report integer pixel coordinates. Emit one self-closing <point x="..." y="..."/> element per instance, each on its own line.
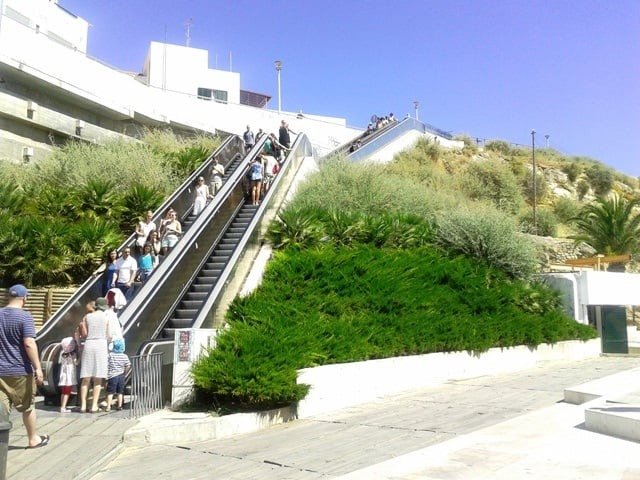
<point x="146" y="384"/>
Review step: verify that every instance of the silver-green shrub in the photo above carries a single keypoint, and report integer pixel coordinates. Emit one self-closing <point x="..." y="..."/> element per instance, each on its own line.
<point x="488" y="236"/>
<point x="494" y="181"/>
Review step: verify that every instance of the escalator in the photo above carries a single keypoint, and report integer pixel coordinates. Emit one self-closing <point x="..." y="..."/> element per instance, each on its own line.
<point x="198" y="288"/>
<point x="184" y="290"/>
<point x="62" y="324"/>
<point x="202" y="286"/>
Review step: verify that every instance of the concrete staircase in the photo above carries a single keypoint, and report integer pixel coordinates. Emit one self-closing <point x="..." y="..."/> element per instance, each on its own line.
<point x="612" y="404"/>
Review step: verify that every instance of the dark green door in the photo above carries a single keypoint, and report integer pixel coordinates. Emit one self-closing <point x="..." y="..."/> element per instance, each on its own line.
<point x="614" y="329"/>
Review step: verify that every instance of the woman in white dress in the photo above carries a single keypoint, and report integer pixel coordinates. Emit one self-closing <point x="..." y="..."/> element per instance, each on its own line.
<point x="144" y="228"/>
<point x="202" y="195"/>
<point x="95" y="354"/>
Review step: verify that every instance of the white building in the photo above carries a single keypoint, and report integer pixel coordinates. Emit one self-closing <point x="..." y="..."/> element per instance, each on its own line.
<point x="50" y="90"/>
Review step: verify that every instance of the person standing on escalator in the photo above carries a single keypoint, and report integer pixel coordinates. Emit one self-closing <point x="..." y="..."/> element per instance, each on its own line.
<point x="126" y="269"/>
<point x="283" y="135"/>
<point x="170" y="232"/>
<point x="249" y="140"/>
<point x="215" y="177"/>
<point x="202" y="196"/>
<point x="256" y="173"/>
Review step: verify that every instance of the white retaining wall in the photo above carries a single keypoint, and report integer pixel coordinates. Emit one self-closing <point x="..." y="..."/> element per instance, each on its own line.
<point x="343" y="385"/>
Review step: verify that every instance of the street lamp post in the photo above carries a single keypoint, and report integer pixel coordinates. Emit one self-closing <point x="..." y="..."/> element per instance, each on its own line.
<point x="416" y="104"/>
<point x="535" y="194"/>
<point x="278" y="64"/>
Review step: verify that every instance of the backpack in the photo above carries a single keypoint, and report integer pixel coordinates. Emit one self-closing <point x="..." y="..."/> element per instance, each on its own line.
<point x="255" y="172"/>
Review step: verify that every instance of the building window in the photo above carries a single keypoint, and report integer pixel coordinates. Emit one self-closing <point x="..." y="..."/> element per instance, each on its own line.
<point x="220" y="96"/>
<point x="204" y="93"/>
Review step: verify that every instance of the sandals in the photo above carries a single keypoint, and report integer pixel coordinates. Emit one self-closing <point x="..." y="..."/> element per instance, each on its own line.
<point x="44" y="440"/>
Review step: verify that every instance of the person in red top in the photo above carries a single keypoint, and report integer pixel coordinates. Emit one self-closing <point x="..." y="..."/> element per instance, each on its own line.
<point x="20" y="368"/>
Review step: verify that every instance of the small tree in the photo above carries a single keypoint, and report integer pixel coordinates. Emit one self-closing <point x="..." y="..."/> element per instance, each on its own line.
<point x="542" y="187"/>
<point x="601" y="179"/>
<point x="610" y="225"/>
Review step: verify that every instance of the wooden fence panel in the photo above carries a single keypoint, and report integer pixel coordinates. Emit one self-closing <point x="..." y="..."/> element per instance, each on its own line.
<point x="44" y="302"/>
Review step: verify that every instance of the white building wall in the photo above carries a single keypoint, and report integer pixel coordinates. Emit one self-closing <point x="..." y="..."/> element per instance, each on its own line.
<point x="166" y="65"/>
<point x="46" y="18"/>
<point x="122" y="93"/>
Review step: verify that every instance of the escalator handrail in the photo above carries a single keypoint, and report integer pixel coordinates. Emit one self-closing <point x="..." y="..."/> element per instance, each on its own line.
<point x="148" y="290"/>
<point x="92" y="282"/>
<point x="301" y="148"/>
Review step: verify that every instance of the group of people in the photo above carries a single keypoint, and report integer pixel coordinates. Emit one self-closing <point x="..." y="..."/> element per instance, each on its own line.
<point x="266" y="164"/>
<point x="379" y="122"/>
<point x="262" y="171"/>
<point x="97" y="346"/>
<point x="152" y="243"/>
<point x="274" y="146"/>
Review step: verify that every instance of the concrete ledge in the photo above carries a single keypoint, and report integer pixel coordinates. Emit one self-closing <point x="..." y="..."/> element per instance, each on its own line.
<point x="338" y="386"/>
<point x="167" y="427"/>
<point x="617" y="420"/>
<point x="343" y="385"/>
<point x="611" y="386"/>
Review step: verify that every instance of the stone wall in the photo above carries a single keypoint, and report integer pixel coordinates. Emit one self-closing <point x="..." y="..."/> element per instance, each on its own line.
<point x="553" y="252"/>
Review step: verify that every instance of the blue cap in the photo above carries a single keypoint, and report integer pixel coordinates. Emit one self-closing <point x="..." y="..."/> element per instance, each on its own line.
<point x="118" y="345"/>
<point x="18" y="291"/>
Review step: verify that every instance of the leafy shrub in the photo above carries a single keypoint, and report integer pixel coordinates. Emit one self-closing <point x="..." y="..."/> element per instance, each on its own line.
<point x="572" y="170"/>
<point x="122" y="163"/>
<point x="296" y="226"/>
<point x="499" y="146"/>
<point x="582" y="188"/>
<point x="307" y="227"/>
<point x="368" y="187"/>
<point x="542" y="187"/>
<point x="565" y="209"/>
<point x="333" y="305"/>
<point x="470" y="145"/>
<point x="546" y="223"/>
<point x="492" y="180"/>
<point x="600" y="178"/>
<point x="490" y="237"/>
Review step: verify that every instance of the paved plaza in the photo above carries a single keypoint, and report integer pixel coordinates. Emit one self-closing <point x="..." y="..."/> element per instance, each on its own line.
<point x="492" y="427"/>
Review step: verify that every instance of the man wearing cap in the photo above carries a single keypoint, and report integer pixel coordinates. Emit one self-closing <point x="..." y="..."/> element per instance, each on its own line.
<point x="20" y="363"/>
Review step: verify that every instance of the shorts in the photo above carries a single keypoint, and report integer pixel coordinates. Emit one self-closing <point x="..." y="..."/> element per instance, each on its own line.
<point x="116" y="384"/>
<point x="169" y="241"/>
<point x="65" y="389"/>
<point x="19" y="392"/>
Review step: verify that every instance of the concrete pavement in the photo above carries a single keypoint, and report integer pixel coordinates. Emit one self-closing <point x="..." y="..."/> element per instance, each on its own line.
<point x="492" y="427"/>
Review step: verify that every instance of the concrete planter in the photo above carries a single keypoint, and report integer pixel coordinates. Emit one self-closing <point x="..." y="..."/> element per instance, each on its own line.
<point x="348" y="384"/>
<point x="344" y="385"/>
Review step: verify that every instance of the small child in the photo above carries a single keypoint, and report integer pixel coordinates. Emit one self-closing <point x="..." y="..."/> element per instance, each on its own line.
<point x="68" y="378"/>
<point x="119" y="365"/>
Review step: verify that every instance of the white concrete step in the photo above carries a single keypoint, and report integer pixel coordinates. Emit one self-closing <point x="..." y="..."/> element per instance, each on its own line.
<point x="613" y="386"/>
<point x="619" y="420"/>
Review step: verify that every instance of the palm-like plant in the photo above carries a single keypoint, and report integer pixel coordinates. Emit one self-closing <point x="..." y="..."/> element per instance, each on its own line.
<point x="295" y="227"/>
<point x="187" y="160"/>
<point x="33" y="251"/>
<point x="99" y="199"/>
<point x="139" y="199"/>
<point x="611" y="225"/>
<point x="12" y="199"/>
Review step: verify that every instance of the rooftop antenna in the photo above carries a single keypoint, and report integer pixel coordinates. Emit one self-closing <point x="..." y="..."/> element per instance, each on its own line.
<point x="188" y="23"/>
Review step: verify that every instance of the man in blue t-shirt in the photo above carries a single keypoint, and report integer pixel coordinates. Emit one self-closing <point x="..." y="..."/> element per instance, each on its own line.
<point x="20" y="363"/>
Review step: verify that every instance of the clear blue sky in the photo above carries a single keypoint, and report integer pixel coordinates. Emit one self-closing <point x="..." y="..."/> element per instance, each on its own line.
<point x="492" y="69"/>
